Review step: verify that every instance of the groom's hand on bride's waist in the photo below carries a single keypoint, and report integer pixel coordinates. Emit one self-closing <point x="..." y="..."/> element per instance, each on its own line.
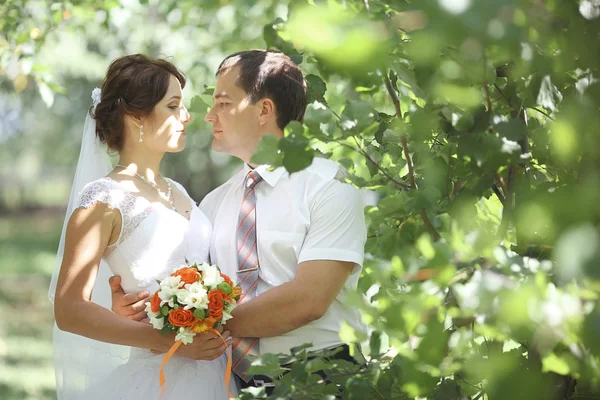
<point x="130" y="306"/>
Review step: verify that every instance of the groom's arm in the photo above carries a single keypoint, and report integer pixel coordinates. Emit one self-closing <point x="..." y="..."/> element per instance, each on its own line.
<point x="294" y="304"/>
<point x="332" y="250"/>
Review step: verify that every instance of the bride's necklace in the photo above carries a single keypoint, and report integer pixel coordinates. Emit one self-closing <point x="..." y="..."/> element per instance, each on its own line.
<point x="168" y="196"/>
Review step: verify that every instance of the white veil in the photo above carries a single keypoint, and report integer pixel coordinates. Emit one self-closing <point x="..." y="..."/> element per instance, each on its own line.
<point x="80" y="362"/>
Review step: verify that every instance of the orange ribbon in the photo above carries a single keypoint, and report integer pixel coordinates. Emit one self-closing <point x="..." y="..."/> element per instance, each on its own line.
<point x="172" y="351"/>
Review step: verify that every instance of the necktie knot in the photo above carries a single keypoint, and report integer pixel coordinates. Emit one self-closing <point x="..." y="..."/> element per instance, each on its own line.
<point x="252" y="179"/>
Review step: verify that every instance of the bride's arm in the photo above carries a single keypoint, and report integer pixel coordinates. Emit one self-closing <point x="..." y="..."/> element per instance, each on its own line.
<point x="88" y="234"/>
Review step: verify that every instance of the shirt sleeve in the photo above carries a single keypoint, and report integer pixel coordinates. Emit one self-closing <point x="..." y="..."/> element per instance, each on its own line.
<point x="337" y="225"/>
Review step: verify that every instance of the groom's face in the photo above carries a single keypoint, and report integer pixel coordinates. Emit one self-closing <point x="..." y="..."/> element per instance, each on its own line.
<point x="234" y="119"/>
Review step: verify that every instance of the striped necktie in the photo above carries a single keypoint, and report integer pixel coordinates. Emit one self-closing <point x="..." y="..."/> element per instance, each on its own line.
<point x="247" y="271"/>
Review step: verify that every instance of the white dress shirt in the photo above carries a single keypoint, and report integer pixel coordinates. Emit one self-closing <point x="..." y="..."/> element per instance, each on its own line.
<point x="308" y="215"/>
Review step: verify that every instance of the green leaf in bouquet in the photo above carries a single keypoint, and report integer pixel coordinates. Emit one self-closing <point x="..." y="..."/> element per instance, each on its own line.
<point x="224" y="287"/>
<point x="167" y="328"/>
<point x="164" y="310"/>
<point x="199" y="313"/>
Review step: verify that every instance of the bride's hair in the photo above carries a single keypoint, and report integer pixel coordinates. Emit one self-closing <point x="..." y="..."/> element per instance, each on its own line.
<point x="133" y="85"/>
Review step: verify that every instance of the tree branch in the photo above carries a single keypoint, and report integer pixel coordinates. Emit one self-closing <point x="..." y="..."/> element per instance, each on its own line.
<point x="393" y="95"/>
<point x="487" y="88"/>
<point x="497" y="191"/>
<point x="401" y="185"/>
<point x="508" y="205"/>
<point x="542" y="112"/>
<point x="524" y="143"/>
<point x="411" y="172"/>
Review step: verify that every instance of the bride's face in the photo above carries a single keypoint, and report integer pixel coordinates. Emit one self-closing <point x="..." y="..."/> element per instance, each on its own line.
<point x="164" y="129"/>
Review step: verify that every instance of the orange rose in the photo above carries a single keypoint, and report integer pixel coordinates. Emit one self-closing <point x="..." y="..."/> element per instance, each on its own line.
<point x="216" y="314"/>
<point x="227" y="279"/>
<point x="188" y="275"/>
<point x="155" y="303"/>
<point x="215" y="303"/>
<point x="199" y="326"/>
<point x="181" y="317"/>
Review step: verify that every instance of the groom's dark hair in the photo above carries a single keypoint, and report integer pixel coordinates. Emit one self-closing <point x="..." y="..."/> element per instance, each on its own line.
<point x="270" y="74"/>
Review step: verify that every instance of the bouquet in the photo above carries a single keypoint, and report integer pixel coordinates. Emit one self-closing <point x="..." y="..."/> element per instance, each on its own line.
<point x="193" y="299"/>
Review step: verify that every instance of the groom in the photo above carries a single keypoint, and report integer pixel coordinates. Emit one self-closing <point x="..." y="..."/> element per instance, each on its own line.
<point x="294" y="242"/>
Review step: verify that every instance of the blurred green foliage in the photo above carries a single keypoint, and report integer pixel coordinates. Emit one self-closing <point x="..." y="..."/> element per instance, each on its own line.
<point x="476" y="123"/>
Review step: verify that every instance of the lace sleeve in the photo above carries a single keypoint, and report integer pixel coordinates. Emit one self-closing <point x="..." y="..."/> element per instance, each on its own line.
<point x="100" y="191"/>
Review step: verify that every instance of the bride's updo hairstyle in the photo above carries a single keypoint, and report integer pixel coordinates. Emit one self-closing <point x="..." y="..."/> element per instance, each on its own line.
<point x="133" y="85"/>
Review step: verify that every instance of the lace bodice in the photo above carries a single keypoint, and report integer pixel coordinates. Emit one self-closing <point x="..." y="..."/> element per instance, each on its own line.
<point x="153" y="240"/>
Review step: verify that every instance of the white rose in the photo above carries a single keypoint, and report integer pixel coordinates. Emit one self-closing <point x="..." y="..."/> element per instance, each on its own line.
<point x="212" y="276"/>
<point x="173" y="282"/>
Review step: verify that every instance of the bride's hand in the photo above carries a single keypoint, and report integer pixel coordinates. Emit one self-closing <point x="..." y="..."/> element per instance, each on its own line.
<point x="131" y="305"/>
<point x="206" y="346"/>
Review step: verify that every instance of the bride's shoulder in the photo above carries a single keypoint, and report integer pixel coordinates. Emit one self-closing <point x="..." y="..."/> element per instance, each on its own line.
<point x="104" y="190"/>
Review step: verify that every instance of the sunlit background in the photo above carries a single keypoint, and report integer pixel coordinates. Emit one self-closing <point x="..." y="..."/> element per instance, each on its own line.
<point x="476" y="124"/>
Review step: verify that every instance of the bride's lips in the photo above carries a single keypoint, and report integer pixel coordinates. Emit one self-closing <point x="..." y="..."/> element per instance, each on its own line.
<point x="216" y="132"/>
<point x="183" y="133"/>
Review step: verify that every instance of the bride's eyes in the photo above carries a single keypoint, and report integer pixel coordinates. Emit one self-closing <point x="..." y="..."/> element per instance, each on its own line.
<point x="173" y="107"/>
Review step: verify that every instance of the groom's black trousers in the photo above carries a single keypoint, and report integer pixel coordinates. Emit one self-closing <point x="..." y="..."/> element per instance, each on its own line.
<point x="261" y="380"/>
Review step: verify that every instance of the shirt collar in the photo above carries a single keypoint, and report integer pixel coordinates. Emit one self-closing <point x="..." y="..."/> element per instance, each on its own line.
<point x="271" y="177"/>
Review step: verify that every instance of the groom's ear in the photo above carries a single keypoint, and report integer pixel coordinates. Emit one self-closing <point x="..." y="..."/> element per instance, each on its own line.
<point x="267" y="111"/>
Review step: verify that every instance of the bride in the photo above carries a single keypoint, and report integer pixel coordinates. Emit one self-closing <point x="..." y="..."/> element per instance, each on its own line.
<point x="131" y="221"/>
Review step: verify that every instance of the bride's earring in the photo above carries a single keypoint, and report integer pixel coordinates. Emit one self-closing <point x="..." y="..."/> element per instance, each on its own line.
<point x="141" y="134"/>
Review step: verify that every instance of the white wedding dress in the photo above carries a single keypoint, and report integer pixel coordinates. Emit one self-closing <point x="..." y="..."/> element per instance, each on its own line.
<point x="154" y="240"/>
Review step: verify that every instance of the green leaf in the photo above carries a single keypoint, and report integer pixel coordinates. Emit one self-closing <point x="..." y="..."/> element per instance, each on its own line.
<point x="266" y="364"/>
<point x="199" y="313"/>
<point x="267" y="152"/>
<point x="297" y="155"/>
<point x="553" y="363"/>
<point x="513" y="130"/>
<point x="166" y="329"/>
<point x="46" y="93"/>
<point x="357" y="116"/>
<point x="315" y="89"/>
<point x="447" y="390"/>
<point x="208" y="90"/>
<point x="198" y="106"/>
<point x="407" y="77"/>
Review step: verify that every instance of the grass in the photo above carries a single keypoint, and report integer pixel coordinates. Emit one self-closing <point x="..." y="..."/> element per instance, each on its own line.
<point x="28" y="248"/>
